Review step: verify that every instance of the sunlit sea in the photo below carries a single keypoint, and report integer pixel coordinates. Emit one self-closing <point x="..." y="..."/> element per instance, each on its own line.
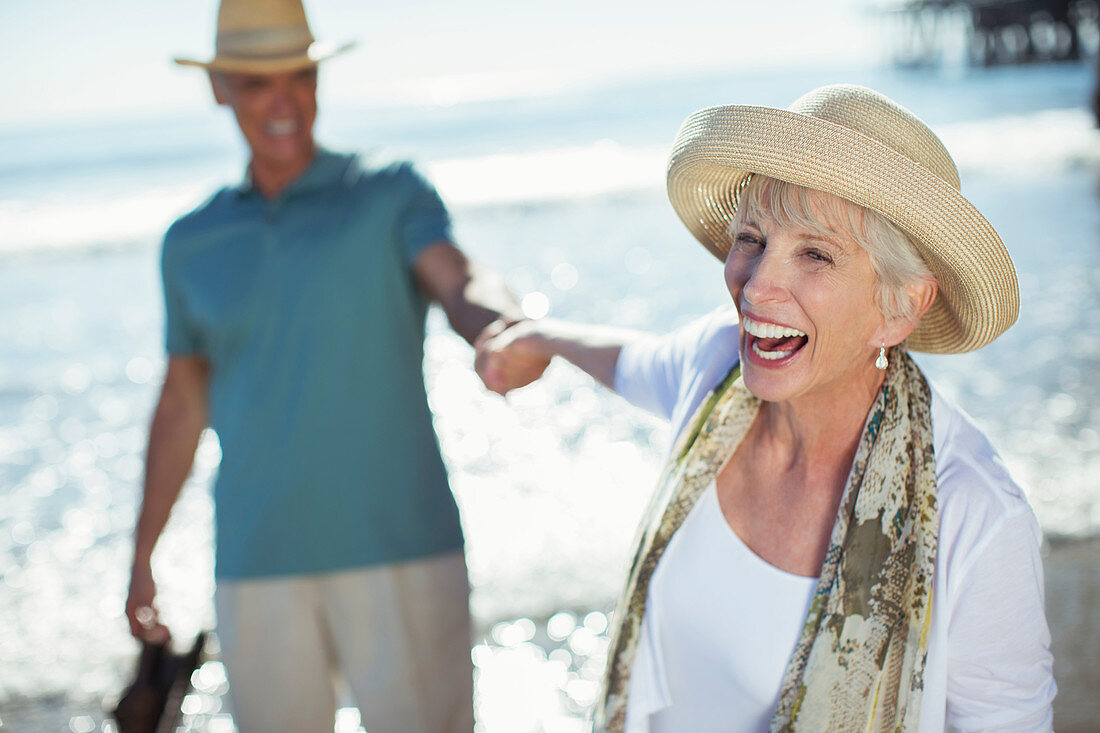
<point x="564" y="195"/>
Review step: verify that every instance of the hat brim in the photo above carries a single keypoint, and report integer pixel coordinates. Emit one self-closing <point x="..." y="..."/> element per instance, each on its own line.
<point x="719" y="147"/>
<point x="317" y="52"/>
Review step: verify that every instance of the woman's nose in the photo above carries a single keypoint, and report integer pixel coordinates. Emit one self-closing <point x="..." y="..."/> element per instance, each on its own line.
<point x="766" y="279"/>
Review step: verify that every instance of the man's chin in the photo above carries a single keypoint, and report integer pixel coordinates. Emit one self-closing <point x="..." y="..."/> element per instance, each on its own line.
<point x="284" y="154"/>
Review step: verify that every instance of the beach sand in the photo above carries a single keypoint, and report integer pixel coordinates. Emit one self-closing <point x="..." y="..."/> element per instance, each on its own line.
<point x="1073" y="611"/>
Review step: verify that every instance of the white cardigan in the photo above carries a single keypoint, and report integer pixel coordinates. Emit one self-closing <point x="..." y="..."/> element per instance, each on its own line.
<point x="989" y="665"/>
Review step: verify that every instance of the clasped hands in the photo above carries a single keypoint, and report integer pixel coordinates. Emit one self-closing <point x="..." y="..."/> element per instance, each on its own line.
<point x="511" y="356"/>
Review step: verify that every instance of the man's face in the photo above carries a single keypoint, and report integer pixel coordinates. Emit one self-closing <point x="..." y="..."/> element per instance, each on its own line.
<point x="275" y="113"/>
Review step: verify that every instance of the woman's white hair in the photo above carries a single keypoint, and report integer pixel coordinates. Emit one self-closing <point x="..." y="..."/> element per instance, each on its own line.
<point x="894" y="256"/>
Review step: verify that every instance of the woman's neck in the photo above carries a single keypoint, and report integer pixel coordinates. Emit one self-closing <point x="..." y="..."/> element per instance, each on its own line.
<point x="780" y="489"/>
<point x="821" y="430"/>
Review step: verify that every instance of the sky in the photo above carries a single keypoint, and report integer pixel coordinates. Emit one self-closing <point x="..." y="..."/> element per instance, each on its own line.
<point x="68" y="60"/>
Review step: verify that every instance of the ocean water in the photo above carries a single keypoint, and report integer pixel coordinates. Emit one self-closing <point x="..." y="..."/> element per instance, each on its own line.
<point x="564" y="195"/>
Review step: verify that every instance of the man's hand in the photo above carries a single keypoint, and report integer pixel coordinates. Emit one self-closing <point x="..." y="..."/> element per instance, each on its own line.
<point x="141" y="610"/>
<point x="510" y="357"/>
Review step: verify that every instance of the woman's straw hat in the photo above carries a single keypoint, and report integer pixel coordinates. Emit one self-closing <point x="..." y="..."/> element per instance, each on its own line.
<point x="857" y="144"/>
<point x="265" y="37"/>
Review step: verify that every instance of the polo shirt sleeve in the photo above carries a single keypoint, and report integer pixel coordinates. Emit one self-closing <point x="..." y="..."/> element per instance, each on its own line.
<point x="180" y="336"/>
<point x="423" y="219"/>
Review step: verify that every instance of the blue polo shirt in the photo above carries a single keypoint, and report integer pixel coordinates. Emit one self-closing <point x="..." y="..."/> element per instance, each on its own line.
<point x="306" y="308"/>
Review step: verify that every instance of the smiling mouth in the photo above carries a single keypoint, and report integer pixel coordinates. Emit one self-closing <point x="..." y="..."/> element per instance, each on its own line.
<point x="773" y="342"/>
<point x="281" y="128"/>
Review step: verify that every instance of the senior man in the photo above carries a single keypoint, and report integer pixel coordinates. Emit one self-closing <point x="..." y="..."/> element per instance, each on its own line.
<point x="295" y="305"/>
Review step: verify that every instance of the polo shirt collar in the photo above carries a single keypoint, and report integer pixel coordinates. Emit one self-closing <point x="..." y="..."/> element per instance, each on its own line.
<point x="326" y="168"/>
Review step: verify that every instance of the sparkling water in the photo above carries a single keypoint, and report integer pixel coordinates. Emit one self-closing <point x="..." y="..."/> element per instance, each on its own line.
<point x="565" y="197"/>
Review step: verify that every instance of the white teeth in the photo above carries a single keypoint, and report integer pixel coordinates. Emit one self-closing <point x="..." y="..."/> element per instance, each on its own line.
<point x="769" y="330"/>
<point x="282" y="127"/>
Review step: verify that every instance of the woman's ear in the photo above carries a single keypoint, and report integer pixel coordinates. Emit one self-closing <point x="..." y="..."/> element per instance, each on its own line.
<point x="922" y="294"/>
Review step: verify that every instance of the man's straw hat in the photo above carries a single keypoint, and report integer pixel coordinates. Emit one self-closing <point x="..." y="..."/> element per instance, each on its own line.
<point x="265" y="37"/>
<point x="855" y="143"/>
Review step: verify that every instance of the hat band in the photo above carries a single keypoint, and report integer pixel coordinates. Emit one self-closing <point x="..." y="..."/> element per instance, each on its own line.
<point x="263" y="43"/>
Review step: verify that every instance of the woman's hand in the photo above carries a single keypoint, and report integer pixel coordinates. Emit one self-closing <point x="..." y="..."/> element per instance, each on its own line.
<point x="510" y="357"/>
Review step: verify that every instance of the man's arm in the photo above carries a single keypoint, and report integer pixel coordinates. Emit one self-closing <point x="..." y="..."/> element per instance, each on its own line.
<point x="473" y="297"/>
<point x="511" y="352"/>
<point x="178" y="422"/>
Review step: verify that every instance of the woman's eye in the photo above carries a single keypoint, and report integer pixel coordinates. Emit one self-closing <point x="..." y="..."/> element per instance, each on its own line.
<point x="819" y="256"/>
<point x="744" y="241"/>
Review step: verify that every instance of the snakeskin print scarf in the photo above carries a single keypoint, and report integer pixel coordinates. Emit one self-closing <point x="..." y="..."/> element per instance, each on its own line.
<point x="859" y="661"/>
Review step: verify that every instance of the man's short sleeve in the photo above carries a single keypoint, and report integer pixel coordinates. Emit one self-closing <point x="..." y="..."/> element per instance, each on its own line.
<point x="423" y="218"/>
<point x="180" y="337"/>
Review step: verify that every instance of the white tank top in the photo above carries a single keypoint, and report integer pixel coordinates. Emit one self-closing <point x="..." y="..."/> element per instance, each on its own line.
<point x="719" y="627"/>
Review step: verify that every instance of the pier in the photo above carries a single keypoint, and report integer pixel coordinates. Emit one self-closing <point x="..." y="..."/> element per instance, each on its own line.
<point x="996" y="32"/>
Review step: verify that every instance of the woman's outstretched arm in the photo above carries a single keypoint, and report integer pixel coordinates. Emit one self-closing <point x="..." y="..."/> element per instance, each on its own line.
<point x="517" y="356"/>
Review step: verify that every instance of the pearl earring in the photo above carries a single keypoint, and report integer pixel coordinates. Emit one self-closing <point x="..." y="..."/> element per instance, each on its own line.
<point x="881" y="362"/>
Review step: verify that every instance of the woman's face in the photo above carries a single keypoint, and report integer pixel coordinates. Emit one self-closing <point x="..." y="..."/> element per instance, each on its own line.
<point x="809" y="324"/>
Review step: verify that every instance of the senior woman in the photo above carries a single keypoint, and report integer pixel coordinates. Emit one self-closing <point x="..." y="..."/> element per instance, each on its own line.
<point x="833" y="545"/>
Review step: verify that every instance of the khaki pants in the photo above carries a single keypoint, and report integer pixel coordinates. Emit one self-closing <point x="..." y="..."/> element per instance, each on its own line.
<point x="398" y="634"/>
